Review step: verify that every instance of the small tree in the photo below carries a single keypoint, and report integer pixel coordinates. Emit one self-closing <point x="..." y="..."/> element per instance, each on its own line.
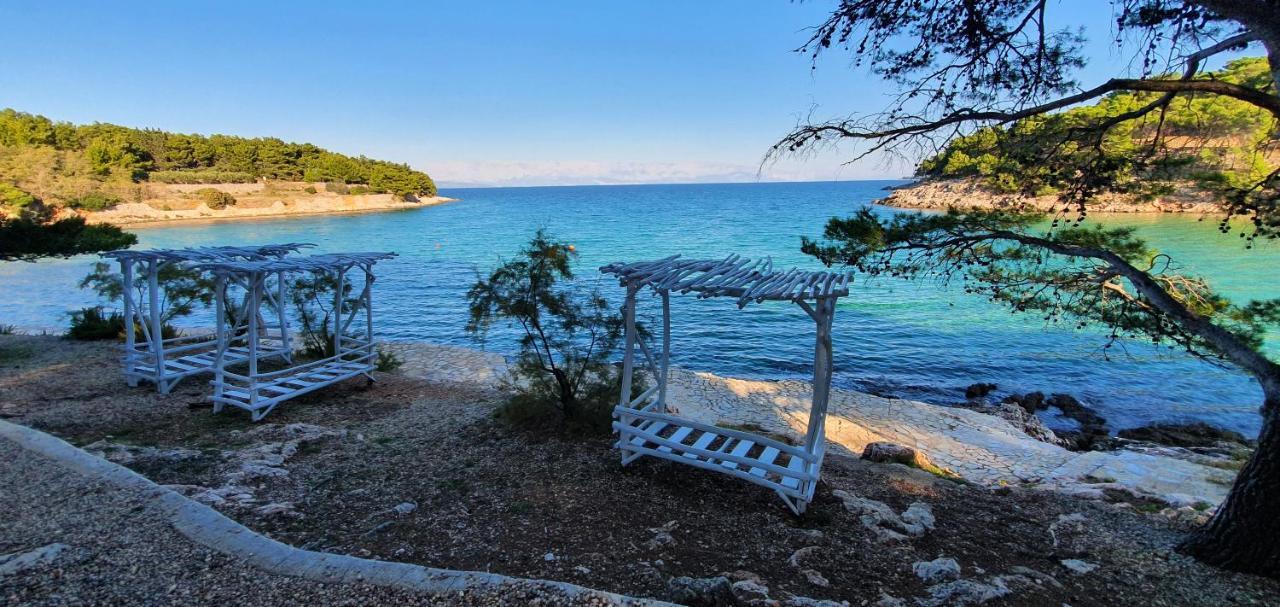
<point x="30" y="238"/>
<point x="182" y="289"/>
<point x="563" y="366"/>
<point x="312" y="299"/>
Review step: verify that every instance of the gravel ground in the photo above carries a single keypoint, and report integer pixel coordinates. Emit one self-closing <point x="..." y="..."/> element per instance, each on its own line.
<point x="482" y="496"/>
<point x="121" y="552"/>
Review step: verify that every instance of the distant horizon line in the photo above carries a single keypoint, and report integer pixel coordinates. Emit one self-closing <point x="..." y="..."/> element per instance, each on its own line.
<point x="481" y="186"/>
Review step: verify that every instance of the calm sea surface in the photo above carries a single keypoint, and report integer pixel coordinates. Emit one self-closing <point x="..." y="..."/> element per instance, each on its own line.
<point x="906" y="339"/>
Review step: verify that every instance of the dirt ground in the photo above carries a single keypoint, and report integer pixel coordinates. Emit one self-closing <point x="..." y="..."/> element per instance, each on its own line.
<point x="410" y="471"/>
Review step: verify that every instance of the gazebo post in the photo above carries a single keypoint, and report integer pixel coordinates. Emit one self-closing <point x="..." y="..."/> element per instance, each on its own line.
<point x="368" y="310"/>
<point x="283" y="320"/>
<point x="256" y="283"/>
<point x="130" y="348"/>
<point x="153" y="314"/>
<point x="220" y="336"/>
<point x="666" y="350"/>
<point x="337" y="313"/>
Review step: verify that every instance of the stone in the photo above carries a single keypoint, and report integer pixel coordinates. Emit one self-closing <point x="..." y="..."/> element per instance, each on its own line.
<point x="274" y="509"/>
<point x="1069" y="535"/>
<point x="1030" y="402"/>
<point x="893" y="453"/>
<point x="883" y="453"/>
<point x="1024" y="420"/>
<point x="18" y="562"/>
<point x="550" y="556"/>
<point x="662" y="535"/>
<point x="960" y="593"/>
<point x="814" y="577"/>
<point x="701" y="592"/>
<point x="1078" y="566"/>
<point x="889" y="526"/>
<point x="937" y="570"/>
<point x="747" y="591"/>
<point x="979" y="390"/>
<point x="1039" y="576"/>
<point x="404" y="508"/>
<point x="918" y="519"/>
<point x="887" y="600"/>
<point x="1197" y="434"/>
<point x="798" y="557"/>
<point x="804" y="601"/>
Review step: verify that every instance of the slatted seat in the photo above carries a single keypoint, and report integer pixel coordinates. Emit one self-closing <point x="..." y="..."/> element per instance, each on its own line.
<point x="259" y="392"/>
<point x="165" y="362"/>
<point x="643" y="424"/>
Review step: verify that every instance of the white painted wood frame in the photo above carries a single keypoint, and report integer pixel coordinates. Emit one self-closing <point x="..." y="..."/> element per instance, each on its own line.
<point x="643" y="422"/>
<point x="165" y="362"/>
<point x="258" y="391"/>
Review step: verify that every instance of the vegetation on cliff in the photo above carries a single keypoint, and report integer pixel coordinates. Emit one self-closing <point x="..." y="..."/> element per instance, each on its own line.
<point x="1212" y="141"/>
<point x="59" y="164"/>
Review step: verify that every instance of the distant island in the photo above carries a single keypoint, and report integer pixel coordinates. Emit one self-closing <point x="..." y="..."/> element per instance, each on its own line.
<point x="1211" y="143"/>
<point x="122" y="175"/>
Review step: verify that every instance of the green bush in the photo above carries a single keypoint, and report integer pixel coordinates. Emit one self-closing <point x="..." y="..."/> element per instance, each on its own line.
<point x="15" y="198"/>
<point x="215" y="199"/>
<point x="93" y="324"/>
<point x="94" y="201"/>
<point x="200" y="177"/>
<point x="387" y="361"/>
<point x="360" y="189"/>
<point x="310" y="189"/>
<point x="562" y="376"/>
<point x="336" y="187"/>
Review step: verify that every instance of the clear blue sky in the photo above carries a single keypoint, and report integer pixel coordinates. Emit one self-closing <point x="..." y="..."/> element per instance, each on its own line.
<point x="493" y="92"/>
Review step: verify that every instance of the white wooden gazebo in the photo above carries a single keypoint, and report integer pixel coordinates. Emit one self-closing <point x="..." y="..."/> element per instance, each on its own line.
<point x="643" y="422"/>
<point x="165" y="362"/>
<point x="258" y="391"/>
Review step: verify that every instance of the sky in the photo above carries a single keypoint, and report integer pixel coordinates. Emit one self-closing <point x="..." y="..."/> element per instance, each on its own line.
<point x="475" y="93"/>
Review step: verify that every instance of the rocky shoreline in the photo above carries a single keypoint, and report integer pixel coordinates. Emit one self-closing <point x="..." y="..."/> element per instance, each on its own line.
<point x="969" y="194"/>
<point x="166" y="203"/>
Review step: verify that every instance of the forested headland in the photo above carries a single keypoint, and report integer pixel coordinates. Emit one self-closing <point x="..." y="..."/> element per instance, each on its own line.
<point x="48" y="165"/>
<point x="1208" y="143"/>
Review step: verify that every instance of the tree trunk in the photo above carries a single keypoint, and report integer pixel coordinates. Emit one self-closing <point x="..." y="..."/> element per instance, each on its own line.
<point x="1243" y="535"/>
<point x="568" y="402"/>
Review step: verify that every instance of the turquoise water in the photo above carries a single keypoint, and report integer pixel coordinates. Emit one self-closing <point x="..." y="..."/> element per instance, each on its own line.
<point x="905" y="339"/>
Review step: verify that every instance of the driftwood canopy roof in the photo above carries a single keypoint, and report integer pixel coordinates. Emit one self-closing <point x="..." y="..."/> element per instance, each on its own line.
<point x="209" y="254"/>
<point x="309" y="263"/>
<point x="733" y="276"/>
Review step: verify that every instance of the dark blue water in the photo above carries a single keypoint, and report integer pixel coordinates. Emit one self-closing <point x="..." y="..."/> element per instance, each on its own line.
<point x="906" y="339"/>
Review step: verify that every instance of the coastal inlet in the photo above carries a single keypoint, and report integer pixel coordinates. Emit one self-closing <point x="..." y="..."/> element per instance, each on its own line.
<point x="911" y="340"/>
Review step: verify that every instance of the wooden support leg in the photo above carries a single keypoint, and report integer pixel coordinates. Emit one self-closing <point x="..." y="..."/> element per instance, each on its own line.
<point x="628" y="365"/>
<point x="130" y="309"/>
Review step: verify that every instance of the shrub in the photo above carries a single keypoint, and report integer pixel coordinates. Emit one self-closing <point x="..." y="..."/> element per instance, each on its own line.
<point x="360" y="189"/>
<point x="312" y="299"/>
<point x="336" y="187"/>
<point x="15" y="198"/>
<point x="214" y="198"/>
<point x="94" y="201"/>
<point x="200" y="177"/>
<point x="387" y="361"/>
<point x="310" y="189"/>
<point x="562" y="374"/>
<point x="92" y="324"/>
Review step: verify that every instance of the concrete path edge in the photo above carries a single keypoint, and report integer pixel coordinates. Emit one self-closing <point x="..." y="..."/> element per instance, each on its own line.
<point x="210" y="528"/>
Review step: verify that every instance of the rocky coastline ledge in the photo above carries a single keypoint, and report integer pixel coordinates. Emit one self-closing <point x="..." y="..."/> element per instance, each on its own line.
<point x="979" y="447"/>
<point x="172" y="202"/>
<point x="969" y="194"/>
